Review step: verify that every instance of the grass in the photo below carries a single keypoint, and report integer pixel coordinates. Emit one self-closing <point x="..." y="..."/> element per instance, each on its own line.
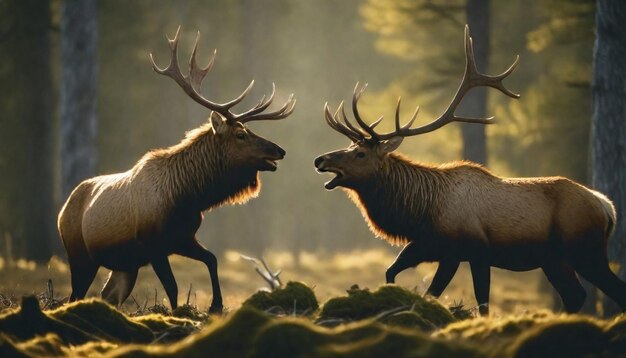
<point x="329" y="275"/>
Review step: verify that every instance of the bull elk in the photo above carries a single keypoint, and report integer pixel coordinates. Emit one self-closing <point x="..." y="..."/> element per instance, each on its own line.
<point x="461" y="212"/>
<point x="127" y="220"/>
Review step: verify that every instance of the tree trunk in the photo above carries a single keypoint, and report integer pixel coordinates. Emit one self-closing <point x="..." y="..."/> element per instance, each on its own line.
<point x="608" y="131"/>
<point x="79" y="58"/>
<point x="26" y="195"/>
<point x="475" y="103"/>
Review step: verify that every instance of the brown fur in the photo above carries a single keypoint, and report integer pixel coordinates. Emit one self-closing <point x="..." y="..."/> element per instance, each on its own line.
<point x="462" y="212"/>
<point x="126" y="220"/>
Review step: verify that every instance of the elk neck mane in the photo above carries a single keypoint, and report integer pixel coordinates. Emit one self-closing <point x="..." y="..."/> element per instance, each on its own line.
<point x="198" y="170"/>
<point x="404" y="196"/>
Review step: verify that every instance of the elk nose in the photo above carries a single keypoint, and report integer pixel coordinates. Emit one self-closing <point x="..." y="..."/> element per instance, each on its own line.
<point x="319" y="160"/>
<point x="281" y="152"/>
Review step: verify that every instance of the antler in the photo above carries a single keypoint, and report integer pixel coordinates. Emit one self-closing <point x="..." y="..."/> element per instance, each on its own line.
<point x="192" y="82"/>
<point x="471" y="78"/>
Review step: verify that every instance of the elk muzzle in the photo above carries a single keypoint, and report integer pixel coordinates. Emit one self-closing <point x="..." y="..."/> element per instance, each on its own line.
<point x="323" y="164"/>
<point x="271" y="157"/>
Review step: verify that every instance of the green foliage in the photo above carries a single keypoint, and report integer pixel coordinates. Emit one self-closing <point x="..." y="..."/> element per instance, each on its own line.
<point x="295" y="297"/>
<point x="361" y="303"/>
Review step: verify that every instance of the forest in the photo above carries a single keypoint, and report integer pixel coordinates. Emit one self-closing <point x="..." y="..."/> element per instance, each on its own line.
<point x="80" y="98"/>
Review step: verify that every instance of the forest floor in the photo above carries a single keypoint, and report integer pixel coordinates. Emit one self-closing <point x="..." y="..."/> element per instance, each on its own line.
<point x="329" y="274"/>
<point x="319" y="312"/>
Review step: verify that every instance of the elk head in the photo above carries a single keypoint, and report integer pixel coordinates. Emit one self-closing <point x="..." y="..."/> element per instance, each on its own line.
<point x="366" y="154"/>
<point x="237" y="142"/>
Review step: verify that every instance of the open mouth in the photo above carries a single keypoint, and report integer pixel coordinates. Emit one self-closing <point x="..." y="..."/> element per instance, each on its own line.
<point x="331" y="184"/>
<point x="270" y="164"/>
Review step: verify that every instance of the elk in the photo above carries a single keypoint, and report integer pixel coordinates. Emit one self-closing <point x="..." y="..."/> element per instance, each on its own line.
<point x="127" y="220"/>
<point x="461" y="212"/>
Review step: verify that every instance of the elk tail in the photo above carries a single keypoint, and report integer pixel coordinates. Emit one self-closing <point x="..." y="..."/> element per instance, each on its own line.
<point x="609" y="209"/>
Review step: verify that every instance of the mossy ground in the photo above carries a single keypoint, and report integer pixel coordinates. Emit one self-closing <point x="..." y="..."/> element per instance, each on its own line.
<point x="388" y="321"/>
<point x="296" y="298"/>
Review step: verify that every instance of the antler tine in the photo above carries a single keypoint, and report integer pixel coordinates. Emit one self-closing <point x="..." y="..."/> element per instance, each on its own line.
<point x="344" y="118"/>
<point x="280" y="113"/>
<point x="336" y="125"/>
<point x="239" y="98"/>
<point x="192" y="82"/>
<point x="197" y="74"/>
<point x="261" y="106"/>
<point x="376" y="122"/>
<point x="475" y="78"/>
<point x="355" y="99"/>
<point x="471" y="78"/>
<point x="410" y="122"/>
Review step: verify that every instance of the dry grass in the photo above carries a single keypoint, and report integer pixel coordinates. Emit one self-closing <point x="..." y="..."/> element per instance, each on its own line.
<point x="329" y="274"/>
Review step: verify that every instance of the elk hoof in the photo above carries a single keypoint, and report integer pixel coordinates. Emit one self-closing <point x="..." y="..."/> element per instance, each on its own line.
<point x="216" y="309"/>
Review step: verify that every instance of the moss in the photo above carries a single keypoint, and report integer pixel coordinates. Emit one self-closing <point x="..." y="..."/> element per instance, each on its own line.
<point x="8" y="348"/>
<point x="104" y="321"/>
<point x="159" y="323"/>
<point x="408" y="319"/>
<point x="492" y="333"/>
<point x="91" y="349"/>
<point x="230" y="337"/>
<point x="29" y="321"/>
<point x="296" y="337"/>
<point x="49" y="345"/>
<point x="295" y="295"/>
<point x="571" y="337"/>
<point x="361" y="303"/>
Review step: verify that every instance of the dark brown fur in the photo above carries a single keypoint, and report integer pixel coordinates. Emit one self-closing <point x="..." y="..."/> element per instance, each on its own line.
<point x="462" y="212"/>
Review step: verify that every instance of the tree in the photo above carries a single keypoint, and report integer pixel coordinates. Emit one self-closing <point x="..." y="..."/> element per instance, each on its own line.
<point x="475" y="103"/>
<point x="79" y="61"/>
<point x="608" y="132"/>
<point x="26" y="195"/>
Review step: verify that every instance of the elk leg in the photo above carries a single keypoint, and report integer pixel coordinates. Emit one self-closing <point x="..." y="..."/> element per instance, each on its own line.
<point x="161" y="267"/>
<point x="602" y="277"/>
<point x="408" y="257"/>
<point x="481" y="278"/>
<point x="563" y="278"/>
<point x="443" y="276"/>
<point x="82" y="276"/>
<point x="196" y="251"/>
<point x="118" y="287"/>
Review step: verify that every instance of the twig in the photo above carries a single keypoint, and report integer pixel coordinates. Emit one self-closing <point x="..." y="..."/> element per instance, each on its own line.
<point x="189" y="293"/>
<point x="137" y="303"/>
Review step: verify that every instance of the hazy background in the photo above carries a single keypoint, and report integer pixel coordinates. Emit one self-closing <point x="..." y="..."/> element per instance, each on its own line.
<point x="316" y="49"/>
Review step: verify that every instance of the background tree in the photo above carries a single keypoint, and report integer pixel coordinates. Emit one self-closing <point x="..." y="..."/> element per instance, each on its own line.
<point x="477" y="13"/>
<point x="26" y="135"/>
<point x="79" y="71"/>
<point x="609" y="122"/>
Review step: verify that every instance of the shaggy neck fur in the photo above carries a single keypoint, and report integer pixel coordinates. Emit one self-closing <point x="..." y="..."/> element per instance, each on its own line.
<point x="198" y="173"/>
<point x="400" y="201"/>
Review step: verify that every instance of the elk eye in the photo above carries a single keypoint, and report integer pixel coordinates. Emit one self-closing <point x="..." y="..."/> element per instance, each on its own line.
<point x="240" y="135"/>
<point x="360" y="154"/>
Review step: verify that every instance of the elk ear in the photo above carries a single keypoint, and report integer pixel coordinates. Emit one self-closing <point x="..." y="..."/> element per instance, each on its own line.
<point x="217" y="122"/>
<point x="390" y="145"/>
